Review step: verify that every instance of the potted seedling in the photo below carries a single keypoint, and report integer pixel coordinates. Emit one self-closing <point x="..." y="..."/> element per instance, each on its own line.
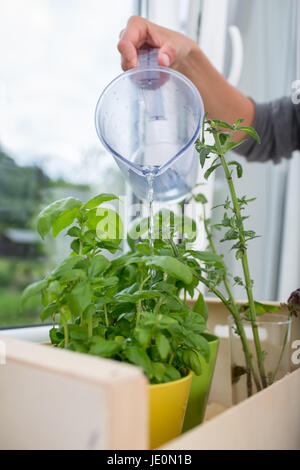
<point x="129" y="308"/>
<point x="259" y="335"/>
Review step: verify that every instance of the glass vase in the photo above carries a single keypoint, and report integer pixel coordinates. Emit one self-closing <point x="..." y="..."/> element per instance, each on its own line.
<point x="274" y="334"/>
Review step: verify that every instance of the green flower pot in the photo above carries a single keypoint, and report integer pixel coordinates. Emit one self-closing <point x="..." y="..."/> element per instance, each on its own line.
<point x="200" y="387"/>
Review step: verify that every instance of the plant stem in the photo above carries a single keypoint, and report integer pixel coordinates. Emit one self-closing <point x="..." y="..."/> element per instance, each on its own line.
<point x="248" y="283"/>
<point x="105" y="314"/>
<point x="139" y="303"/>
<point x="90" y="327"/>
<point x="157" y="306"/>
<point x="65" y="325"/>
<point x="236" y="316"/>
<point x="281" y="354"/>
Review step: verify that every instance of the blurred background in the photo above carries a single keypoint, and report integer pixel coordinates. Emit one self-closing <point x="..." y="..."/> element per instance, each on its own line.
<point x="56" y="58"/>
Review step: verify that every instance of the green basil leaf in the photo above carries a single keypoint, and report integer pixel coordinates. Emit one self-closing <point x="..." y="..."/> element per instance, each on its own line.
<point x="33" y="289"/>
<point x="171" y="266"/>
<point x="97" y="265"/>
<point x="66" y="265"/>
<point x="200" y="306"/>
<point x="74" y="232"/>
<point x="144" y="336"/>
<point x="163" y="345"/>
<point x="80" y="297"/>
<point x="78" y="332"/>
<point x="97" y="200"/>
<point x="136" y="355"/>
<point x="55" y="336"/>
<point x="50" y="213"/>
<point x="104" y="348"/>
<point x="64" y="220"/>
<point x="49" y="311"/>
<point x="158" y="371"/>
<point x="171" y="373"/>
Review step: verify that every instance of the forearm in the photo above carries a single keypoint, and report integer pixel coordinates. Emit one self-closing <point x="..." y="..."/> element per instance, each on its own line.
<point x="278" y="124"/>
<point x="221" y="100"/>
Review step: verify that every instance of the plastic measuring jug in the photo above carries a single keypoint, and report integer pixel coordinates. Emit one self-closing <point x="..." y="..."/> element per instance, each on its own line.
<point x="149" y="118"/>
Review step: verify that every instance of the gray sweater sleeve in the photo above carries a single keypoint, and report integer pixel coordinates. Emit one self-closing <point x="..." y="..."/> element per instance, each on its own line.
<point x="278" y="125"/>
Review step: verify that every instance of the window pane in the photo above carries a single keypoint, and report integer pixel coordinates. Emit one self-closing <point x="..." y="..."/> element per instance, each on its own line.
<point x="56" y="58"/>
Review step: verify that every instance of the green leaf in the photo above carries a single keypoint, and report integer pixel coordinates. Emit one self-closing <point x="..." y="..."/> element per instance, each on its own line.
<point x="33" y="289"/>
<point x="66" y="265"/>
<point x="64" y="220"/>
<point x="208" y="257"/>
<point x="80" y="297"/>
<point x="97" y="265"/>
<point x="50" y="213"/>
<point x="104" y="348"/>
<point x="223" y="124"/>
<point x="232" y="145"/>
<point x="200" y="198"/>
<point x="194" y="322"/>
<point x="158" y="371"/>
<point x="200" y="306"/>
<point x="172" y="373"/>
<point x="231" y="235"/>
<point x="224" y="137"/>
<point x="75" y="246"/>
<point x="238" y="122"/>
<point x="48" y="311"/>
<point x="89" y="312"/>
<point x="78" y="332"/>
<point x="72" y="275"/>
<point x="74" y="232"/>
<point x="239" y="254"/>
<point x="171" y="266"/>
<point x="192" y="361"/>
<point x="198" y="342"/>
<point x="140" y="295"/>
<point x="163" y="345"/>
<point x="265" y="308"/>
<point x="55" y="336"/>
<point x="203" y="154"/>
<point x="239" y="168"/>
<point x="106" y="222"/>
<point x="210" y="170"/>
<point x="77" y="347"/>
<point x="250" y="131"/>
<point x="136" y="355"/>
<point x="97" y="200"/>
<point x="144" y="336"/>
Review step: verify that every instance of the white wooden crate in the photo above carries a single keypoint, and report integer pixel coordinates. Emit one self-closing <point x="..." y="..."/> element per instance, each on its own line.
<point x="56" y="399"/>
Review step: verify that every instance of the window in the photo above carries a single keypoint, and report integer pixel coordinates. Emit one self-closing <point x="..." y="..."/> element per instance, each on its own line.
<point x="56" y="58"/>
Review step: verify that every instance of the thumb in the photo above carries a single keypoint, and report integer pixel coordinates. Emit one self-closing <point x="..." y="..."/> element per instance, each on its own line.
<point x="167" y="54"/>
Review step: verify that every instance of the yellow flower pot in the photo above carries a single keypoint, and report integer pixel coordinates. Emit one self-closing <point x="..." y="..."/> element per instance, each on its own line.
<point x="167" y="409"/>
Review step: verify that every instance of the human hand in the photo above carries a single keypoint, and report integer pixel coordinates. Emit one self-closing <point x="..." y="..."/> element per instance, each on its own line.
<point x="173" y="46"/>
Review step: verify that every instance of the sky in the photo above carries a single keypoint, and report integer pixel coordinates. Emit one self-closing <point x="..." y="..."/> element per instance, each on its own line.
<point x="56" y="58"/>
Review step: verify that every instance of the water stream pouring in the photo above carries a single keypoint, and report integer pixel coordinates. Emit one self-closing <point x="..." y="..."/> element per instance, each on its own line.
<point x="149" y="118"/>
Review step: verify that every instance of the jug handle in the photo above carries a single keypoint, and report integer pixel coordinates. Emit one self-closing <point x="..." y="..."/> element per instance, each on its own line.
<point x="148" y="56"/>
<point x="151" y="82"/>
